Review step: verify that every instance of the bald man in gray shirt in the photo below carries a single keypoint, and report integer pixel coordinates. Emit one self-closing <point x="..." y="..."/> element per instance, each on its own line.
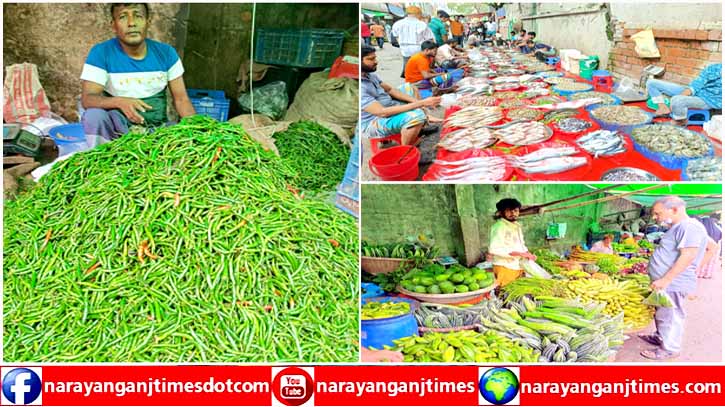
<point x="672" y="270"/>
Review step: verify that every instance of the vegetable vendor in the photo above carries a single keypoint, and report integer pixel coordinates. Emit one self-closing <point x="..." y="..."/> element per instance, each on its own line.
<point x="124" y="79"/>
<point x="506" y="243"/>
<point x="705" y="92"/>
<point x="672" y="269"/>
<point x="386" y="111"/>
<point x="603" y="246"/>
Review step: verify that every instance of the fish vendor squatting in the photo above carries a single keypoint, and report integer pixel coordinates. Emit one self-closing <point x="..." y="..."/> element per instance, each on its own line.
<point x="125" y="78"/>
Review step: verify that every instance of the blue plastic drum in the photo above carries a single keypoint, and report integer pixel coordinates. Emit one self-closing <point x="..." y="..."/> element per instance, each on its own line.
<point x="377" y="333"/>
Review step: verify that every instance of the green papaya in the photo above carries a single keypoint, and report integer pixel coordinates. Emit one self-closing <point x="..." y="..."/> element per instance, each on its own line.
<point x="457" y="278"/>
<point x="442" y="277"/>
<point x="434" y="289"/>
<point x="420" y="289"/>
<point x="461" y="288"/>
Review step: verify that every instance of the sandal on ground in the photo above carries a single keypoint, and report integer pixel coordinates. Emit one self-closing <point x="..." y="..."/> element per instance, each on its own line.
<point x="659" y="354"/>
<point x="651" y="339"/>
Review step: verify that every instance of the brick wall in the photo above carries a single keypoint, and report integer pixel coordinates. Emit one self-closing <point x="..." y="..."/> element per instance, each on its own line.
<point x="683" y="53"/>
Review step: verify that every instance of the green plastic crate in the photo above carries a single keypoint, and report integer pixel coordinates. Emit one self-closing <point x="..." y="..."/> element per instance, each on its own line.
<point x="309" y="48"/>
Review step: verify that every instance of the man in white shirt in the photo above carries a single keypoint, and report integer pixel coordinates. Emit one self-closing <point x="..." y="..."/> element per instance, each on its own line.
<point x="410" y="33"/>
<point x="447" y="57"/>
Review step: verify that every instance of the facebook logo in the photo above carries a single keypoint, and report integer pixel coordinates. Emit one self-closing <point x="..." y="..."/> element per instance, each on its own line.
<point x="21" y="386"/>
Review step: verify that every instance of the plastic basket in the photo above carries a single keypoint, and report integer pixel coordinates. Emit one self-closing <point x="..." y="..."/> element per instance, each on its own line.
<point x="208" y="102"/>
<point x="670" y="161"/>
<point x="310" y="48"/>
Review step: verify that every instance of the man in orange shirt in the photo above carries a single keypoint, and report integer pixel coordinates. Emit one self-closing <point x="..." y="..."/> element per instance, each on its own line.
<point x="419" y="69"/>
<point x="378" y="32"/>
<point x="457" y="30"/>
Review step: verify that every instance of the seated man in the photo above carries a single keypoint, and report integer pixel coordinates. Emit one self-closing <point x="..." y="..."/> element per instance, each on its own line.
<point x="448" y="57"/>
<point x="705" y="92"/>
<point x="603" y="246"/>
<point x="419" y="70"/>
<point x="386" y="111"/>
<point x="125" y="78"/>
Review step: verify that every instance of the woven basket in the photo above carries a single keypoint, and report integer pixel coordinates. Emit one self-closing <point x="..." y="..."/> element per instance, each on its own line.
<point x="380" y="265"/>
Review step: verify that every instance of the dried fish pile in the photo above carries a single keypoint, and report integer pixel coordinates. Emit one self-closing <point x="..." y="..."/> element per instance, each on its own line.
<point x="470" y="100"/>
<point x="704" y="169"/>
<point x="491" y="168"/>
<point x="625" y="174"/>
<point x="556" y="80"/>
<point x="549" y="100"/>
<point x="467" y="138"/>
<point x="573" y="125"/>
<point x="509" y="103"/>
<point x="604" y="98"/>
<point x="506" y="95"/>
<point x="602" y="143"/>
<point x="668" y="139"/>
<point x="539" y="67"/>
<point x="556" y="115"/>
<point x="573" y="86"/>
<point x="474" y="116"/>
<point x="524" y="114"/>
<point x="623" y="115"/>
<point x="506" y="86"/>
<point x="537" y="85"/>
<point x="523" y="134"/>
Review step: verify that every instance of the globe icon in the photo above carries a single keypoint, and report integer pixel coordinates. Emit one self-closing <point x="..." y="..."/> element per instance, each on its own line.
<point x="499" y="385"/>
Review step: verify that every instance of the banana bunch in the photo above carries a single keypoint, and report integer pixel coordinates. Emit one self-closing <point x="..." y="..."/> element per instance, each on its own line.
<point x="463" y="346"/>
<point x="619" y="296"/>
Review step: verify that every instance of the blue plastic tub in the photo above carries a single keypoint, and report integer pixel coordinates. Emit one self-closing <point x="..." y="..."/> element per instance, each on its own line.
<point x="456" y="74"/>
<point x="669" y="161"/>
<point x="70" y="138"/>
<point x="371" y="290"/>
<point x="425" y="93"/>
<point x="377" y="333"/>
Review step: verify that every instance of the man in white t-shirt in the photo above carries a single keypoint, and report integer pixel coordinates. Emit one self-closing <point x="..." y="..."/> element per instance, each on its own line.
<point x="125" y="78"/>
<point x="410" y="33"/>
<point x="447" y="57"/>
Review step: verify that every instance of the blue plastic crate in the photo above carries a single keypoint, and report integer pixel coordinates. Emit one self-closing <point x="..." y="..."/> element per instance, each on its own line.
<point x="308" y="48"/>
<point x="210" y="102"/>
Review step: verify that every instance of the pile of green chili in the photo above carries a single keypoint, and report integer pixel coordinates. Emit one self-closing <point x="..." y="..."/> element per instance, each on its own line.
<point x="314" y="153"/>
<point x="184" y="245"/>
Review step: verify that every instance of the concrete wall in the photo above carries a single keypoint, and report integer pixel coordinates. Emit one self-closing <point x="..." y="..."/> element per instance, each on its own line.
<point x="57" y="37"/>
<point x="579" y="26"/>
<point x="681" y="16"/>
<point x="220" y="33"/>
<point x="689" y="35"/>
<point x="391" y="212"/>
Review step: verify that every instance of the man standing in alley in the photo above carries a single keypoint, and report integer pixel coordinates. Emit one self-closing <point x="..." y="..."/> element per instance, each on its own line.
<point x="410" y="33"/>
<point x="672" y="269"/>
<point x="365" y="31"/>
<point x="457" y="30"/>
<point x="506" y="243"/>
<point x="378" y="32"/>
<point x="125" y="78"/>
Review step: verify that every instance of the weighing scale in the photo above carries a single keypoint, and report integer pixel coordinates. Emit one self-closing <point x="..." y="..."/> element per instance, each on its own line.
<point x="638" y="95"/>
<point x="19" y="141"/>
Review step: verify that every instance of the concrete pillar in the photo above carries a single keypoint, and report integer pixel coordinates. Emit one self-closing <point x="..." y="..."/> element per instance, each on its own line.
<point x="466" y="206"/>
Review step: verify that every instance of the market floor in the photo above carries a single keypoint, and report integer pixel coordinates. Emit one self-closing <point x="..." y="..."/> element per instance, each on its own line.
<point x="390" y="65"/>
<point x="703" y="332"/>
